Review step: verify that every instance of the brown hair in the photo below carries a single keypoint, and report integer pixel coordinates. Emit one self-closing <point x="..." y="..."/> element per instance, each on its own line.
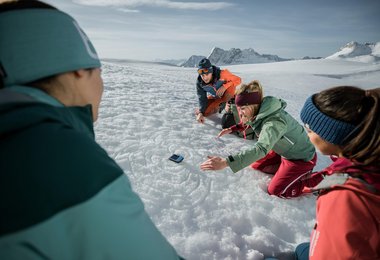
<point x="360" y="108"/>
<point x="253" y="86"/>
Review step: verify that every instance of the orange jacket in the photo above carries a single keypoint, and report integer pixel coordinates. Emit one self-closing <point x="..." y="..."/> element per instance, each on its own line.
<point x="348" y="222"/>
<point x="230" y="79"/>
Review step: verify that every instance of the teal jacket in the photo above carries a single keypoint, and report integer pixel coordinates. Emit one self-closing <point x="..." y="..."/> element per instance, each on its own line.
<point x="61" y="195"/>
<point x="277" y="131"/>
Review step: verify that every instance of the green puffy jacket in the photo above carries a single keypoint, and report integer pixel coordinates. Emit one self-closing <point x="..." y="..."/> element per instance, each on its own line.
<point x="61" y="195"/>
<point x="277" y="131"/>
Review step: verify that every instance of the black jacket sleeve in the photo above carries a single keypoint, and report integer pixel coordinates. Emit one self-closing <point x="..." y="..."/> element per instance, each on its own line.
<point x="202" y="97"/>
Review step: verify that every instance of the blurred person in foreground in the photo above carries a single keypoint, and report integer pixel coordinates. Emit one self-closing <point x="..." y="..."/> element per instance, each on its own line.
<point x="61" y="195"/>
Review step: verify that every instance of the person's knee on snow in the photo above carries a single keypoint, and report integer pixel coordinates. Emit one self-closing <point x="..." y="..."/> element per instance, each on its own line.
<point x="302" y="251"/>
<point x="290" y="191"/>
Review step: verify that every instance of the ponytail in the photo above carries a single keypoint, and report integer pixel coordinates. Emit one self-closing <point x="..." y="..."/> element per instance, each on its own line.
<point x="365" y="146"/>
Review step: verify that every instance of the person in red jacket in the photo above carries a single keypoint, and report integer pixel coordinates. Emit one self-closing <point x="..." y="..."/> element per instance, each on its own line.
<point x="345" y="122"/>
<point x="214" y="87"/>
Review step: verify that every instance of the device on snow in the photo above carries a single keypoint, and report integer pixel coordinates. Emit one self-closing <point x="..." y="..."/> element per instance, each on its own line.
<point x="176" y="158"/>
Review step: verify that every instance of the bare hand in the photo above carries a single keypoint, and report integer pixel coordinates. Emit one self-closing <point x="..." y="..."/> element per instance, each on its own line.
<point x="214" y="163"/>
<point x="220" y="91"/>
<point x="225" y="131"/>
<point x="200" y="118"/>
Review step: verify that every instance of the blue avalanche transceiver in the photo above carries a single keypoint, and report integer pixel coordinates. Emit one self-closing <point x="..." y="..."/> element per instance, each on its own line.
<point x="176" y="158"/>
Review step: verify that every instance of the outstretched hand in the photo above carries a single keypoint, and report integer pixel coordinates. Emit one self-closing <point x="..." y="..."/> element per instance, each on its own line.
<point x="214" y="163"/>
<point x="225" y="131"/>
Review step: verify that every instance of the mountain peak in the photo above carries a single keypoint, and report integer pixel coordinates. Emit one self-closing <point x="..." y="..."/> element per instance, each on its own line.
<point x="219" y="56"/>
<point x="354" y="51"/>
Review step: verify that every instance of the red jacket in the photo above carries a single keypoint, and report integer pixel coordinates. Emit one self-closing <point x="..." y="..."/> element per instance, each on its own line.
<point x="348" y="215"/>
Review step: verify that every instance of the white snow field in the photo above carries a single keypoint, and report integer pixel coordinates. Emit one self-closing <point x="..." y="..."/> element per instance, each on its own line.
<point x="147" y="114"/>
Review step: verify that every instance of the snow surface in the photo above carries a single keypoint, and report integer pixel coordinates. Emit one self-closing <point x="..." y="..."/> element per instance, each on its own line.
<point x="147" y="114"/>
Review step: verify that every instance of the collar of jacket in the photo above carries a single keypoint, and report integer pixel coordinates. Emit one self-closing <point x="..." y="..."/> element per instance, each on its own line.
<point x="269" y="106"/>
<point x="35" y="107"/>
<point x="36" y="94"/>
<point x="369" y="174"/>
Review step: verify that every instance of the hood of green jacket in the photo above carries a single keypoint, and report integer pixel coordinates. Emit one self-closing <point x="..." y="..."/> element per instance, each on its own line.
<point x="270" y="105"/>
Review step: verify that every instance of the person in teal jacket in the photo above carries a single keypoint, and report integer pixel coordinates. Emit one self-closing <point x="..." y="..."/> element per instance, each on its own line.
<point x="282" y="147"/>
<point x="61" y="195"/>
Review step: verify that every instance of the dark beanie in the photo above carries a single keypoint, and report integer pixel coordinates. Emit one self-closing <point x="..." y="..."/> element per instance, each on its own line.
<point x="204" y="64"/>
<point x="332" y="130"/>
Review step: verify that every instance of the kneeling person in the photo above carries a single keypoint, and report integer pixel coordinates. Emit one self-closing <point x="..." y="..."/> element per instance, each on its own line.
<point x="214" y="87"/>
<point x="282" y="148"/>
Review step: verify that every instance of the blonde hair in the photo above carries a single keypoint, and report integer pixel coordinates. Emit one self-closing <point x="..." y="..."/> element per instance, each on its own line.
<point x="253" y="86"/>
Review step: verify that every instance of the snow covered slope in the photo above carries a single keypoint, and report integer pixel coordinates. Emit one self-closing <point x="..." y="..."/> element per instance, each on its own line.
<point x="147" y="113"/>
<point x="353" y="51"/>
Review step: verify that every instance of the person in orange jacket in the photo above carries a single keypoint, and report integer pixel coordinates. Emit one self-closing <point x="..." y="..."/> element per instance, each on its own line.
<point x="214" y="87"/>
<point x="345" y="122"/>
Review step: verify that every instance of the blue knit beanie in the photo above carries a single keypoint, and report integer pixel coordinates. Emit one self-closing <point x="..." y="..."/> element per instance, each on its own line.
<point x="328" y="128"/>
<point x="38" y="43"/>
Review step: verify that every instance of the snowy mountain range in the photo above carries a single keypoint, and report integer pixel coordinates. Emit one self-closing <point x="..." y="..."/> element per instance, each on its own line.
<point x="192" y="61"/>
<point x="368" y="52"/>
<point x="353" y="51"/>
<point x="219" y="56"/>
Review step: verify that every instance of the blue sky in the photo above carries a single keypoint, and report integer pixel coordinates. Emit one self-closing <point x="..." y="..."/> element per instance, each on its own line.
<point x="164" y="29"/>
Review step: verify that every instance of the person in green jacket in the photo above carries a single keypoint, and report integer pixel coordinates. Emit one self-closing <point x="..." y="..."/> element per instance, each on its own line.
<point x="282" y="147"/>
<point x="61" y="195"/>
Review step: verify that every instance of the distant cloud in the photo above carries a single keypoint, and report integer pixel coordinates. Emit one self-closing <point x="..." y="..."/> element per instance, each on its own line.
<point x="157" y="3"/>
<point x="125" y="10"/>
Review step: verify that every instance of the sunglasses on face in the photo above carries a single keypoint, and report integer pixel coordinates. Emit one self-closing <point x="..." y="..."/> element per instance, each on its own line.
<point x="204" y="71"/>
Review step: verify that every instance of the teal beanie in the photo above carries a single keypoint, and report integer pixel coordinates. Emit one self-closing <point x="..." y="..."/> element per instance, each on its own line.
<point x="38" y="43"/>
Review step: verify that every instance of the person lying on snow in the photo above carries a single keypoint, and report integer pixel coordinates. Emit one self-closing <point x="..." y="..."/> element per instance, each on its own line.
<point x="282" y="148"/>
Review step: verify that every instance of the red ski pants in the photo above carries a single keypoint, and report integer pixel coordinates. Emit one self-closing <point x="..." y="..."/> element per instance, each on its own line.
<point x="290" y="176"/>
